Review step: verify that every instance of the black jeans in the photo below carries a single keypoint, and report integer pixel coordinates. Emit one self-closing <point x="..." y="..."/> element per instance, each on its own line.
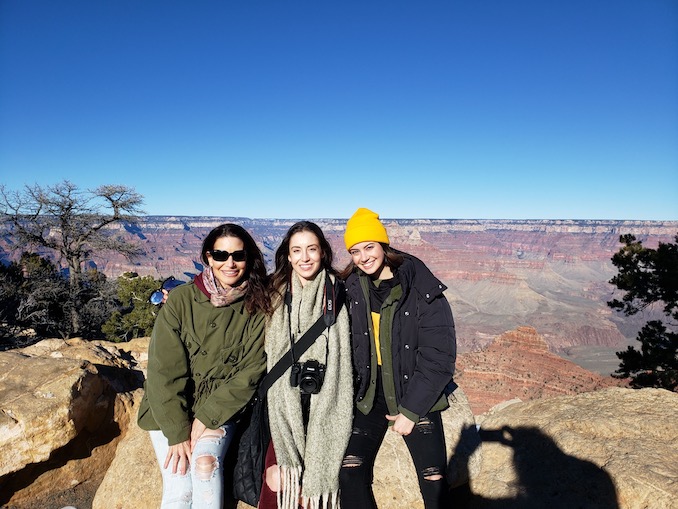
<point x="426" y="444"/>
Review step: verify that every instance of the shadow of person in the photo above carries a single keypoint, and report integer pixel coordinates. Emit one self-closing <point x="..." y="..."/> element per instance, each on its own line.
<point x="545" y="477"/>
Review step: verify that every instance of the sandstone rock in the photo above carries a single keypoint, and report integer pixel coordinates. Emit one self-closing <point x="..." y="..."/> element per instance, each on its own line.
<point x="395" y="480"/>
<point x="133" y="478"/>
<point x="614" y="448"/>
<point x="45" y="404"/>
<point x="63" y="408"/>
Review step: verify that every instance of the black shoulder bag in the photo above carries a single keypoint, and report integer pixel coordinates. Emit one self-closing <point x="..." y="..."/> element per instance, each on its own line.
<point x="249" y="467"/>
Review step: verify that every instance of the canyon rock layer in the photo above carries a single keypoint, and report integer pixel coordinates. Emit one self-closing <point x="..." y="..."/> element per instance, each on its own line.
<point x="548" y="274"/>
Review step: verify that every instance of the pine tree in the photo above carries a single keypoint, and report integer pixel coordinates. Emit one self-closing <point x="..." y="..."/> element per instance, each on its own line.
<point x="649" y="278"/>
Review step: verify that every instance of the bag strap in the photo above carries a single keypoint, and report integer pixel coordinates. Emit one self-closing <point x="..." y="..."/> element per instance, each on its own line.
<point x="335" y="300"/>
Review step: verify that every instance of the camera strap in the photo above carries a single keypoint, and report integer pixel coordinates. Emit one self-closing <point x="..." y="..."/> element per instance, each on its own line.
<point x="332" y="306"/>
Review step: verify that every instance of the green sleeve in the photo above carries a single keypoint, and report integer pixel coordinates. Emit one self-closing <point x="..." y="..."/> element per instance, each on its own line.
<point x="410" y="415"/>
<point x="168" y="377"/>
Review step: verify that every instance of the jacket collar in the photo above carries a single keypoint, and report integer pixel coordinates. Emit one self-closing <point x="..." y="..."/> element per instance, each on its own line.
<point x="413" y="274"/>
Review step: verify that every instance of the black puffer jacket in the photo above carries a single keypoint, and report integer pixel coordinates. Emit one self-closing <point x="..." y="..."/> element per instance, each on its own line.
<point x="423" y="340"/>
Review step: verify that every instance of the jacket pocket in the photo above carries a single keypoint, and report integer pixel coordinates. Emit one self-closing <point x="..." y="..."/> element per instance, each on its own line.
<point x="233" y="352"/>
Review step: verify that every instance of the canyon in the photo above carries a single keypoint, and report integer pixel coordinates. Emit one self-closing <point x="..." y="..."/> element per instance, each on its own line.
<point x="529" y="299"/>
<point x="552" y="275"/>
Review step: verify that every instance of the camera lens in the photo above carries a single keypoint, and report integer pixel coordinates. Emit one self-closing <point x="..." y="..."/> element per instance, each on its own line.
<point x="309" y="385"/>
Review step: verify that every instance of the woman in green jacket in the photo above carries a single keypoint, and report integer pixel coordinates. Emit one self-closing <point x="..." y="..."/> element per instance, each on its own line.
<point x="205" y="358"/>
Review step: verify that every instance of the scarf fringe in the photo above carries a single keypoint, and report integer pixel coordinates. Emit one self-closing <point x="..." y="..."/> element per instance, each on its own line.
<point x="324" y="501"/>
<point x="289" y="497"/>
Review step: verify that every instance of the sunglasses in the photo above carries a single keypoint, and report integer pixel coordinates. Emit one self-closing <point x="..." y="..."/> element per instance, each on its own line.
<point x="158" y="296"/>
<point x="222" y="256"/>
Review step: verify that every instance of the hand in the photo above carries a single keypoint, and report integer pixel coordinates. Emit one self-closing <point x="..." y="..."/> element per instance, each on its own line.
<point x="401" y="424"/>
<point x="179" y="456"/>
<point x="197" y="430"/>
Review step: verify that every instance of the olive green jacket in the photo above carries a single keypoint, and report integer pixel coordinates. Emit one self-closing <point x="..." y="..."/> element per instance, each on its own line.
<point x="204" y="362"/>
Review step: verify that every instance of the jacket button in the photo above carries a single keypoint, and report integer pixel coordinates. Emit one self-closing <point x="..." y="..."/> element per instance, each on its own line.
<point x="213" y="325"/>
<point x="407" y="313"/>
<point x="407" y="347"/>
<point x="232" y="359"/>
<point x="215" y="422"/>
<point x="440" y="286"/>
<point x="198" y="375"/>
<point x="204" y="352"/>
<point x="428" y="296"/>
<point x="406" y="377"/>
<point x="365" y="333"/>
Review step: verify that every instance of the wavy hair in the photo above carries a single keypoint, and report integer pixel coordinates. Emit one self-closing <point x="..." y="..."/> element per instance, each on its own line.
<point x="257" y="298"/>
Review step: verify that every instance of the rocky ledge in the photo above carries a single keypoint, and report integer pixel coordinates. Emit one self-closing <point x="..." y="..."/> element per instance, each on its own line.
<point x="67" y="417"/>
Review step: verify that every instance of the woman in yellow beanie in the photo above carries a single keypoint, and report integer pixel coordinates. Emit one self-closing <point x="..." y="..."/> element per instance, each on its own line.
<point x="404" y="352"/>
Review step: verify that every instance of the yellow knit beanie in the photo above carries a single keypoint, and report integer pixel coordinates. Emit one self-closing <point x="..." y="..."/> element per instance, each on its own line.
<point x="364" y="226"/>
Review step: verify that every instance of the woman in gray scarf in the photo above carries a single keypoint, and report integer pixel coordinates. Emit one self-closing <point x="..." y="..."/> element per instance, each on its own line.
<point x="310" y="408"/>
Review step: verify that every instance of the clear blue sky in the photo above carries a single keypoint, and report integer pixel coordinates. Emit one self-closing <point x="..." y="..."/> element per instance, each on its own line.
<point x="502" y="109"/>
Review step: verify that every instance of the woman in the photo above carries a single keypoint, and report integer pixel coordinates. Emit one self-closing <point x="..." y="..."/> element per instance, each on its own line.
<point x="309" y="429"/>
<point x="205" y="358"/>
<point x="404" y="352"/>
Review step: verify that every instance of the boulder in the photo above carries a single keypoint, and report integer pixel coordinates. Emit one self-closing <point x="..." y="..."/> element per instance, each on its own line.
<point x="614" y="448"/>
<point x="63" y="407"/>
<point x="68" y="414"/>
<point x="395" y="478"/>
<point x="133" y="478"/>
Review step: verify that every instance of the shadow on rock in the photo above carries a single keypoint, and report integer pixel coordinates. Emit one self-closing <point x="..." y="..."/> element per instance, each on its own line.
<point x="543" y="475"/>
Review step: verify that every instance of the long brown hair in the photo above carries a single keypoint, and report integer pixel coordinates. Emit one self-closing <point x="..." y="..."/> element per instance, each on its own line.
<point x="392" y="258"/>
<point x="257" y="298"/>
<point x="283" y="268"/>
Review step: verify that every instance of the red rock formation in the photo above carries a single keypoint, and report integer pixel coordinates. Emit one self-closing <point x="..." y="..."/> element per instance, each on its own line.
<point x="550" y="274"/>
<point x="519" y="365"/>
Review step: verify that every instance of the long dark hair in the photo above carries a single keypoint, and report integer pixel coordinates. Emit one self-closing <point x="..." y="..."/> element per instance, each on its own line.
<point x="283" y="268"/>
<point x="392" y="258"/>
<point x="257" y="297"/>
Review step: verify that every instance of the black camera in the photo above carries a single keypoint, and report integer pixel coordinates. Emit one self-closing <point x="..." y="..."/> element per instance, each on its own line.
<point x="308" y="376"/>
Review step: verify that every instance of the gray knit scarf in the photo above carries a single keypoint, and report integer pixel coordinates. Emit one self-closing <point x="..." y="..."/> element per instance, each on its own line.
<point x="310" y="463"/>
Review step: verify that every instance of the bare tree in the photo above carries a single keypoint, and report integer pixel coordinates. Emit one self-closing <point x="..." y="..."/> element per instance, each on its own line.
<point x="71" y="222"/>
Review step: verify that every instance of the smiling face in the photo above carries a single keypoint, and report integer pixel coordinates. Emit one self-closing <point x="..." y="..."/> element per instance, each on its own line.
<point x="371" y="259"/>
<point x="230" y="272"/>
<point x="305" y="255"/>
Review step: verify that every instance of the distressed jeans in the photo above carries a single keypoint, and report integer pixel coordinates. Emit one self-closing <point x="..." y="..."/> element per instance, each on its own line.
<point x="194" y="491"/>
<point x="426" y="444"/>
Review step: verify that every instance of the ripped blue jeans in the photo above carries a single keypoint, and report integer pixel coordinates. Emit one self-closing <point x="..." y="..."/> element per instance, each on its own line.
<point x="195" y="490"/>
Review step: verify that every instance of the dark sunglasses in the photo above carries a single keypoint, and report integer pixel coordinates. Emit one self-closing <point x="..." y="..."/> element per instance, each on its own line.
<point x="222" y="256"/>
